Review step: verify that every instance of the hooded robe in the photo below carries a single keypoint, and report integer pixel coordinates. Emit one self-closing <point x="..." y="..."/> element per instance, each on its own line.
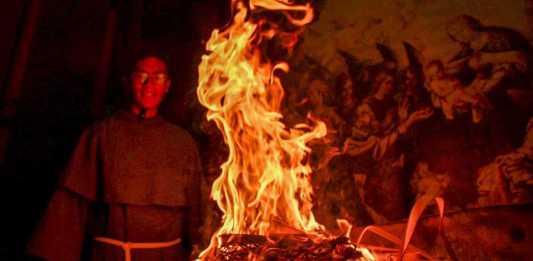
<point x="129" y="179"/>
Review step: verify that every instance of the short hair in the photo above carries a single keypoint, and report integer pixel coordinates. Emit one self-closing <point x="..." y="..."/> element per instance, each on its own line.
<point x="132" y="60"/>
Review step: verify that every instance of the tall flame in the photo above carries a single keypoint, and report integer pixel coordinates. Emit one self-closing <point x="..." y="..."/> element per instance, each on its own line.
<point x="264" y="185"/>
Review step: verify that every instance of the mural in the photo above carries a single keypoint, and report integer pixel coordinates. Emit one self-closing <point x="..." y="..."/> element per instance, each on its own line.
<point x="419" y="97"/>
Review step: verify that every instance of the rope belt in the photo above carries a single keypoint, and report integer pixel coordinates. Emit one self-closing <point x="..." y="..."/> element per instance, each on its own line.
<point x="128" y="246"/>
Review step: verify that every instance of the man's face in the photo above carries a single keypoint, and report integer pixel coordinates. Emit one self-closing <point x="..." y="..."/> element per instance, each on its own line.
<point x="150" y="83"/>
<point x="317" y="92"/>
<point x="365" y="119"/>
<point x="435" y="72"/>
<point x="387" y="85"/>
<point x="410" y="79"/>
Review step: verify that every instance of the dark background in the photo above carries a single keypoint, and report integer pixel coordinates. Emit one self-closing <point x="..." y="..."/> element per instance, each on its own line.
<point x="70" y="55"/>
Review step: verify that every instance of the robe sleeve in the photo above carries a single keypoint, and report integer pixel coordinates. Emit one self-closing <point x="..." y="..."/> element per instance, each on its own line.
<point x="383" y="145"/>
<point x="61" y="232"/>
<point x="81" y="174"/>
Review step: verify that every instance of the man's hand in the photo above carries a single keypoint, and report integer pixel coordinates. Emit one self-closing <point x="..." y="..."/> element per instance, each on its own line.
<point x="353" y="147"/>
<point x="420" y="115"/>
<point x="415" y="117"/>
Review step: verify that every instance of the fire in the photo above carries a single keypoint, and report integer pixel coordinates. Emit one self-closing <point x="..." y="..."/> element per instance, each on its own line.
<point x="264" y="185"/>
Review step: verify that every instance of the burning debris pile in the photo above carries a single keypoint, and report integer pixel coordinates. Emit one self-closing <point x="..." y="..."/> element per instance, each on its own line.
<point x="288" y="247"/>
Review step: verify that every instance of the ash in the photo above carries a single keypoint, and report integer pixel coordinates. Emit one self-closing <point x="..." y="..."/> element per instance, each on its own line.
<point x="288" y="247"/>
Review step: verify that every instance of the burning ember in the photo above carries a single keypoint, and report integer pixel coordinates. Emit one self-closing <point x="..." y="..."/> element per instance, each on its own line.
<point x="264" y="187"/>
<point x="286" y="247"/>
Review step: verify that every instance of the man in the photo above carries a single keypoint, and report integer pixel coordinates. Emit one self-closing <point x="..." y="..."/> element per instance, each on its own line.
<point x="509" y="178"/>
<point x="378" y="159"/>
<point x="131" y="189"/>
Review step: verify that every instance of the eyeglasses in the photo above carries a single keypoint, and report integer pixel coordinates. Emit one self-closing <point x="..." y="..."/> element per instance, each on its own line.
<point x="143" y="77"/>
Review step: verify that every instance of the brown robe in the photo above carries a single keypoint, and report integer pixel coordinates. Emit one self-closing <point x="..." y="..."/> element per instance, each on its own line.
<point x="129" y="179"/>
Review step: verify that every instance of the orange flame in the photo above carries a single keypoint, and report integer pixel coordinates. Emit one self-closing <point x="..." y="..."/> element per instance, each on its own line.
<point x="264" y="186"/>
<point x="263" y="183"/>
